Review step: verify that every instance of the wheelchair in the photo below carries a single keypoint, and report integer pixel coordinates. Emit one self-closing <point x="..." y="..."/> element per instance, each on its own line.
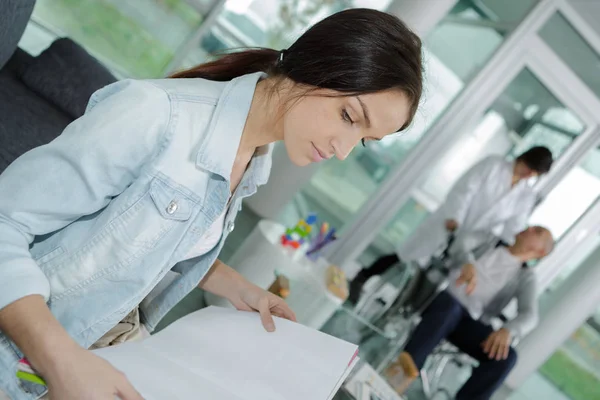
<point x="399" y="319"/>
<point x="388" y="311"/>
<point x="396" y="317"/>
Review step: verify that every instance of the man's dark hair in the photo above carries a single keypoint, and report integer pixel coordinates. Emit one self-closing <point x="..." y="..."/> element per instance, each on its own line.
<point x="537" y="158"/>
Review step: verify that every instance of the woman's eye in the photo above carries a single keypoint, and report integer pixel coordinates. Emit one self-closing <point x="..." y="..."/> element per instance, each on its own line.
<point x="346" y="117"/>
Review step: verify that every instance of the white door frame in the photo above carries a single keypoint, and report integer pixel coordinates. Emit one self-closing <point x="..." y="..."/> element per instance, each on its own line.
<point x="520" y="49"/>
<point x="575" y="95"/>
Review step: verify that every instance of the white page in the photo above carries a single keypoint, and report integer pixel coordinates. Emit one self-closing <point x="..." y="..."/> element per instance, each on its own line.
<point x="223" y="354"/>
<point x="142" y="368"/>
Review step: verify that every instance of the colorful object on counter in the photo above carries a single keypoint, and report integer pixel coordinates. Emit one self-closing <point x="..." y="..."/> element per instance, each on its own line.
<point x="27" y="373"/>
<point x="324" y="237"/>
<point x="335" y="280"/>
<point x="296" y="236"/>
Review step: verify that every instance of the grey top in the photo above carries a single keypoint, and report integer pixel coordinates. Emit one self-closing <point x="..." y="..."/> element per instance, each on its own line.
<point x="500" y="279"/>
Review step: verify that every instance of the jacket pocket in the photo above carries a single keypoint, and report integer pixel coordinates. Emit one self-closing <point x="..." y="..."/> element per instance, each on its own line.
<point x="163" y="208"/>
<point x="170" y="202"/>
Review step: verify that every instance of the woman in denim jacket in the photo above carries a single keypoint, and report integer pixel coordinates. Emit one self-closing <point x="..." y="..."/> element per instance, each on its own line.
<point x="129" y="208"/>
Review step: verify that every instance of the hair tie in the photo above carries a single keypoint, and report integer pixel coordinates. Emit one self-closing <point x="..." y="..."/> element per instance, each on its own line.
<point x="281" y="54"/>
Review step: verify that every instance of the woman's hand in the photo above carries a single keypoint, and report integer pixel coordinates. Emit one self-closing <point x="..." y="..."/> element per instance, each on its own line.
<point x="81" y="374"/>
<point x="71" y="372"/>
<point x="252" y="298"/>
<point x="224" y="281"/>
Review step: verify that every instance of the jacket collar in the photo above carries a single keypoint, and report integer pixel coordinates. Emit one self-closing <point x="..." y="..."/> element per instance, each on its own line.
<point x="220" y="145"/>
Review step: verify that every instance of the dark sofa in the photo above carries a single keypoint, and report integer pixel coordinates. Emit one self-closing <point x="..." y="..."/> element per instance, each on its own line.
<point x="40" y="96"/>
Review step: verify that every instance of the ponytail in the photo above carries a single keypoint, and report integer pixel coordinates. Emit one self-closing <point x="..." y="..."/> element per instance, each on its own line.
<point x="232" y="65"/>
<point x="356" y="51"/>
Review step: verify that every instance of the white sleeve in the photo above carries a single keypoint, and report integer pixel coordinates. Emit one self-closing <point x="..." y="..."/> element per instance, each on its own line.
<point x="527" y="308"/>
<point x="458" y="201"/>
<point x="519" y="220"/>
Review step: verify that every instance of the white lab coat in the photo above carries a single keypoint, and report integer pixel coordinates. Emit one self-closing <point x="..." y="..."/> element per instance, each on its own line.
<point x="482" y="200"/>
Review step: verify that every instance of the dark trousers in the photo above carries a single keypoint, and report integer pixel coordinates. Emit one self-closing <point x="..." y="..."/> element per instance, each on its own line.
<point x="446" y="318"/>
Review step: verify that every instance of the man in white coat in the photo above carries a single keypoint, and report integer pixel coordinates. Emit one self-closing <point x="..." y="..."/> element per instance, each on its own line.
<point x="493" y="198"/>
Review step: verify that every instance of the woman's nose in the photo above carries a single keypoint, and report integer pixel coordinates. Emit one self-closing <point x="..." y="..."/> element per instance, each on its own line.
<point x="345" y="147"/>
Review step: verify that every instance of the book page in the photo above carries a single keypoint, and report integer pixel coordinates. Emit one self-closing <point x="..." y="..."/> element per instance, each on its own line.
<point x="224" y="354"/>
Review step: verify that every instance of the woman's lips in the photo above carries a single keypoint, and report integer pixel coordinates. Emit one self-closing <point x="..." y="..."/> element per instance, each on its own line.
<point x="317" y="155"/>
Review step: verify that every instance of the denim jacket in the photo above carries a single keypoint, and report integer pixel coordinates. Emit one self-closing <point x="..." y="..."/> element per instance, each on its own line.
<point x="95" y="219"/>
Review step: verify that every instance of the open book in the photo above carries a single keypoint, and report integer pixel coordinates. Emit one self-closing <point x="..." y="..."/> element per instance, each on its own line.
<point x="223" y="354"/>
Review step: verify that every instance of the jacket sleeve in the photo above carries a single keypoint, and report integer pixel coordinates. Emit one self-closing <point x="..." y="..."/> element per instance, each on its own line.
<point x="527" y="308"/>
<point x="95" y="158"/>
<point x="458" y="201"/>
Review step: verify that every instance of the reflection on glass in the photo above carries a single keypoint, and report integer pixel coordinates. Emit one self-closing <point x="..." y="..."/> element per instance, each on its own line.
<point x="139" y="37"/>
<point x="536" y="116"/>
<point x="526" y="114"/>
<point x="562" y="37"/>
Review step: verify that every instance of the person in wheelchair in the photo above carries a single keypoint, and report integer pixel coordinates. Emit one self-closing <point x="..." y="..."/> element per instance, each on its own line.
<point x="494" y="196"/>
<point x="478" y="292"/>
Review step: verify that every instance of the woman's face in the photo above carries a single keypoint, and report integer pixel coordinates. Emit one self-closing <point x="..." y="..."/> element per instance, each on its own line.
<point x="323" y="124"/>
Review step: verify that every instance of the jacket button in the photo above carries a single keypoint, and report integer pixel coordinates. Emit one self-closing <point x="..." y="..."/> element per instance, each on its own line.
<point x="230" y="226"/>
<point x="172" y="207"/>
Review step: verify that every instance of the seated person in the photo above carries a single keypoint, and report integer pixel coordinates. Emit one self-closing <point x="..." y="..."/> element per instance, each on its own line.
<point x="462" y="313"/>
<point x="494" y="197"/>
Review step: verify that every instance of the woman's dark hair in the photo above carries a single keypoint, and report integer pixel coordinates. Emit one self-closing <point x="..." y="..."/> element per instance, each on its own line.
<point x="357" y="51"/>
<point x="538" y="159"/>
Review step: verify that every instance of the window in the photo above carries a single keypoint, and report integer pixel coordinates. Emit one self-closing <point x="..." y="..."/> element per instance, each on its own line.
<point x="525" y="114"/>
<point x="569" y="45"/>
<point x="137" y="38"/>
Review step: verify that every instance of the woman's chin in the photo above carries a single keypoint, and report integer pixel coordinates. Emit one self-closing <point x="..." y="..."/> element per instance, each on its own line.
<point x="302" y="161"/>
<point x="299" y="160"/>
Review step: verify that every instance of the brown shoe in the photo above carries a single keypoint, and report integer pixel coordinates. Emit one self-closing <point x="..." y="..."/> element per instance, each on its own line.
<point x="402" y="373"/>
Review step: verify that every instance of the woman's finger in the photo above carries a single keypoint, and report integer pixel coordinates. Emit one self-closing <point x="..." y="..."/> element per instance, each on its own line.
<point x="284" y="311"/>
<point x="128" y="392"/>
<point x="265" y="314"/>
